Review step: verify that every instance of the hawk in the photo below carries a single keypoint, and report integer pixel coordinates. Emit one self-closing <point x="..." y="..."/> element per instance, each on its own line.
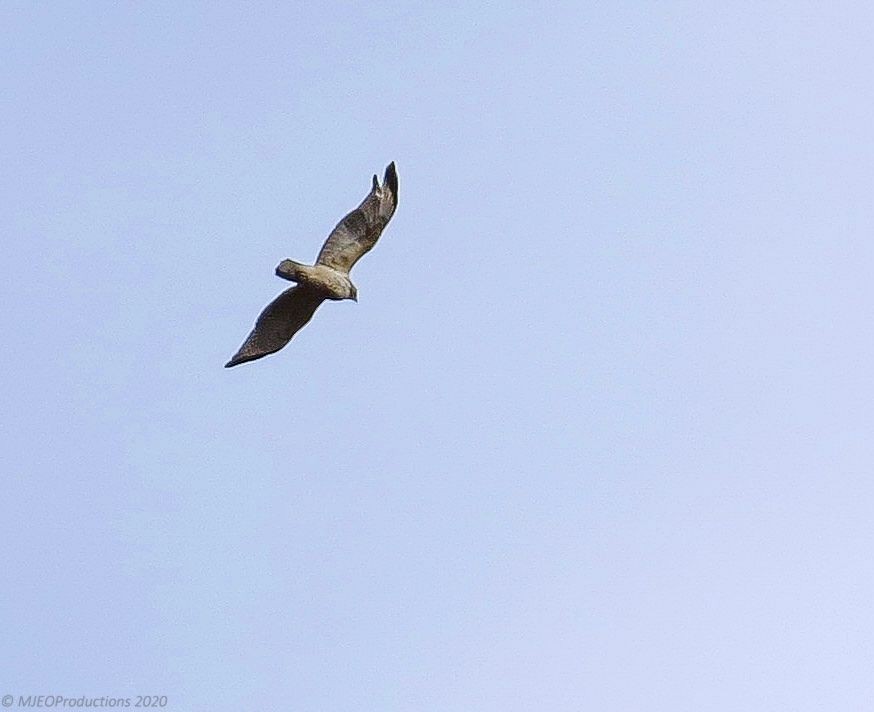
<point x="354" y="236"/>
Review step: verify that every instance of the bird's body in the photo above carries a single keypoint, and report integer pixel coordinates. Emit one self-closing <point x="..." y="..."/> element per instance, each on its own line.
<point x="332" y="283"/>
<point x="328" y="278"/>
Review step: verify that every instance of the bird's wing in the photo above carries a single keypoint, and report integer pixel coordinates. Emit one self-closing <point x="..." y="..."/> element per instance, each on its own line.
<point x="280" y="320"/>
<point x="358" y="232"/>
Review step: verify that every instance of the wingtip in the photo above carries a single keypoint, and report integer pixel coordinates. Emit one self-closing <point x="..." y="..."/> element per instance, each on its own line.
<point x="391" y="179"/>
<point x="244" y="356"/>
<point x="238" y="358"/>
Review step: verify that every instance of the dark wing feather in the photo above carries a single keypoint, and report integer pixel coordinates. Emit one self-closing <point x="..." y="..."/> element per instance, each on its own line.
<point x="280" y="320"/>
<point x="358" y="232"/>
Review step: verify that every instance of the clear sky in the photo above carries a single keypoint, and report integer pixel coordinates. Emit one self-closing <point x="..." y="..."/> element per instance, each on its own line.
<point x="596" y="436"/>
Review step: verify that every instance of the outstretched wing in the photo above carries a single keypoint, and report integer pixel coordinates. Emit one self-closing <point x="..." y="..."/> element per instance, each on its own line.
<point x="358" y="232"/>
<point x="280" y="320"/>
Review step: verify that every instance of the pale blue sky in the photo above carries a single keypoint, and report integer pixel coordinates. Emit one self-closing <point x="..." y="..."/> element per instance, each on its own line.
<point x="597" y="435"/>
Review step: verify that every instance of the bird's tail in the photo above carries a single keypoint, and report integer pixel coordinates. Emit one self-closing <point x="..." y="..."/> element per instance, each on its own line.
<point x="291" y="270"/>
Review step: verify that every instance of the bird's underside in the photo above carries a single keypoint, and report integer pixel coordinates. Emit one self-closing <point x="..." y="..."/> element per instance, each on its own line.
<point x="328" y="278"/>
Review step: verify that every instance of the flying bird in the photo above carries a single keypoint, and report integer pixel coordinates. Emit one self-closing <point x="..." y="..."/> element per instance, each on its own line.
<point x="354" y="236"/>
